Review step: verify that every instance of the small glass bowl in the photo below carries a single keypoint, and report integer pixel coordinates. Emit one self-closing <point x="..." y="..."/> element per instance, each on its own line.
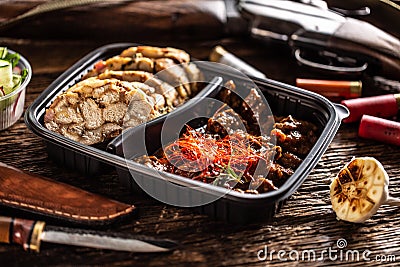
<point x="12" y="105"/>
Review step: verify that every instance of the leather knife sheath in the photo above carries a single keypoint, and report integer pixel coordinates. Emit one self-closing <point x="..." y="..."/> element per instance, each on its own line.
<point x="43" y="196"/>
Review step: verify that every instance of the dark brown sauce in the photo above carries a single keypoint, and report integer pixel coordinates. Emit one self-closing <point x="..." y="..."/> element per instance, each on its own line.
<point x="198" y="154"/>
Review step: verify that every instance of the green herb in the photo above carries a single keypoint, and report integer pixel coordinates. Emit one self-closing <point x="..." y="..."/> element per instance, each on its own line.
<point x="10" y="77"/>
<point x="23" y="74"/>
<point x="233" y="174"/>
<point x="228" y="175"/>
<point x="12" y="58"/>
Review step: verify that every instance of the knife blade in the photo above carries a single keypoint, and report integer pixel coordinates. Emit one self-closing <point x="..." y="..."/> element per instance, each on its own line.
<point x="30" y="234"/>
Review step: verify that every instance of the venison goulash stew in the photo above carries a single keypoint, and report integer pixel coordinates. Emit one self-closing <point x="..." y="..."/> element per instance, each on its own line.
<point x="242" y="160"/>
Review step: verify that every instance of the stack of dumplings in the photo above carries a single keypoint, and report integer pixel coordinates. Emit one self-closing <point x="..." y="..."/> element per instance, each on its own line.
<point x="140" y="84"/>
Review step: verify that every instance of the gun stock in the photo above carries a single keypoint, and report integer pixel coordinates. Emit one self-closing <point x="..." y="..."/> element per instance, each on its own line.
<point x="114" y="20"/>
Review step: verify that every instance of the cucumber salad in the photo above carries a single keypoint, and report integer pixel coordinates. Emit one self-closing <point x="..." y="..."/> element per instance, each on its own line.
<point x="11" y="76"/>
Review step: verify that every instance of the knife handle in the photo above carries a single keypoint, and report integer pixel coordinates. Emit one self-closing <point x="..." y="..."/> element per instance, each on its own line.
<point x="22" y="232"/>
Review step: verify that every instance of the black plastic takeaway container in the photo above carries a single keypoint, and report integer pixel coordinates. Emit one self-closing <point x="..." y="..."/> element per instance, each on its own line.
<point x="229" y="206"/>
<point x="232" y="207"/>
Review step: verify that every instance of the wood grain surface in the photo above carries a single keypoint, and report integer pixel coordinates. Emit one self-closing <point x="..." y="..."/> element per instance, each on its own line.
<point x="184" y="19"/>
<point x="306" y="222"/>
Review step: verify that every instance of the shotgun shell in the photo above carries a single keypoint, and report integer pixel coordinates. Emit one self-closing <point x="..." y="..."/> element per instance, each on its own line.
<point x="384" y="106"/>
<point x="220" y="55"/>
<point x="333" y="90"/>
<point x="379" y="129"/>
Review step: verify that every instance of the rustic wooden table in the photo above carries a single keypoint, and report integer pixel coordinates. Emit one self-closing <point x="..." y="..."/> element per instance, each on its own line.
<point x="305" y="223"/>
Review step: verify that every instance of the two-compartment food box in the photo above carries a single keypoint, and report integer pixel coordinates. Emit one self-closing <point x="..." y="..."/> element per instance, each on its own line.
<point x="217" y="202"/>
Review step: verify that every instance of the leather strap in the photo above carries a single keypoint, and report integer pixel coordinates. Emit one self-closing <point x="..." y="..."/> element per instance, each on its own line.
<point x="58" y="200"/>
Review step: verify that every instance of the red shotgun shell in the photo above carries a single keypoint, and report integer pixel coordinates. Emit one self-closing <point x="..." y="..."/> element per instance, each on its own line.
<point x="333" y="90"/>
<point x="379" y="129"/>
<point x="384" y="106"/>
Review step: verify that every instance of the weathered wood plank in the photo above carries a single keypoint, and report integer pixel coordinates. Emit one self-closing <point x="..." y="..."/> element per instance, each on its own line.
<point x="157" y="19"/>
<point x="306" y="222"/>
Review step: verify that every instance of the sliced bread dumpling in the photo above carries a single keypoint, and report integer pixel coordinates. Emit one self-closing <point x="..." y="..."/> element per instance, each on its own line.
<point x="121" y="63"/>
<point x="195" y="76"/>
<point x="178" y="55"/>
<point x="160" y="88"/>
<point x="94" y="110"/>
<point x="173" y="74"/>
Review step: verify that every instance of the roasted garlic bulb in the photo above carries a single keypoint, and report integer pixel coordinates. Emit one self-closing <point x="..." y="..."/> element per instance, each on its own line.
<point x="359" y="189"/>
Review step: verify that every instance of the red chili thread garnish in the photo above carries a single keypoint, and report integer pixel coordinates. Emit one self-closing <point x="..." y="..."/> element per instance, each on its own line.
<point x="205" y="156"/>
